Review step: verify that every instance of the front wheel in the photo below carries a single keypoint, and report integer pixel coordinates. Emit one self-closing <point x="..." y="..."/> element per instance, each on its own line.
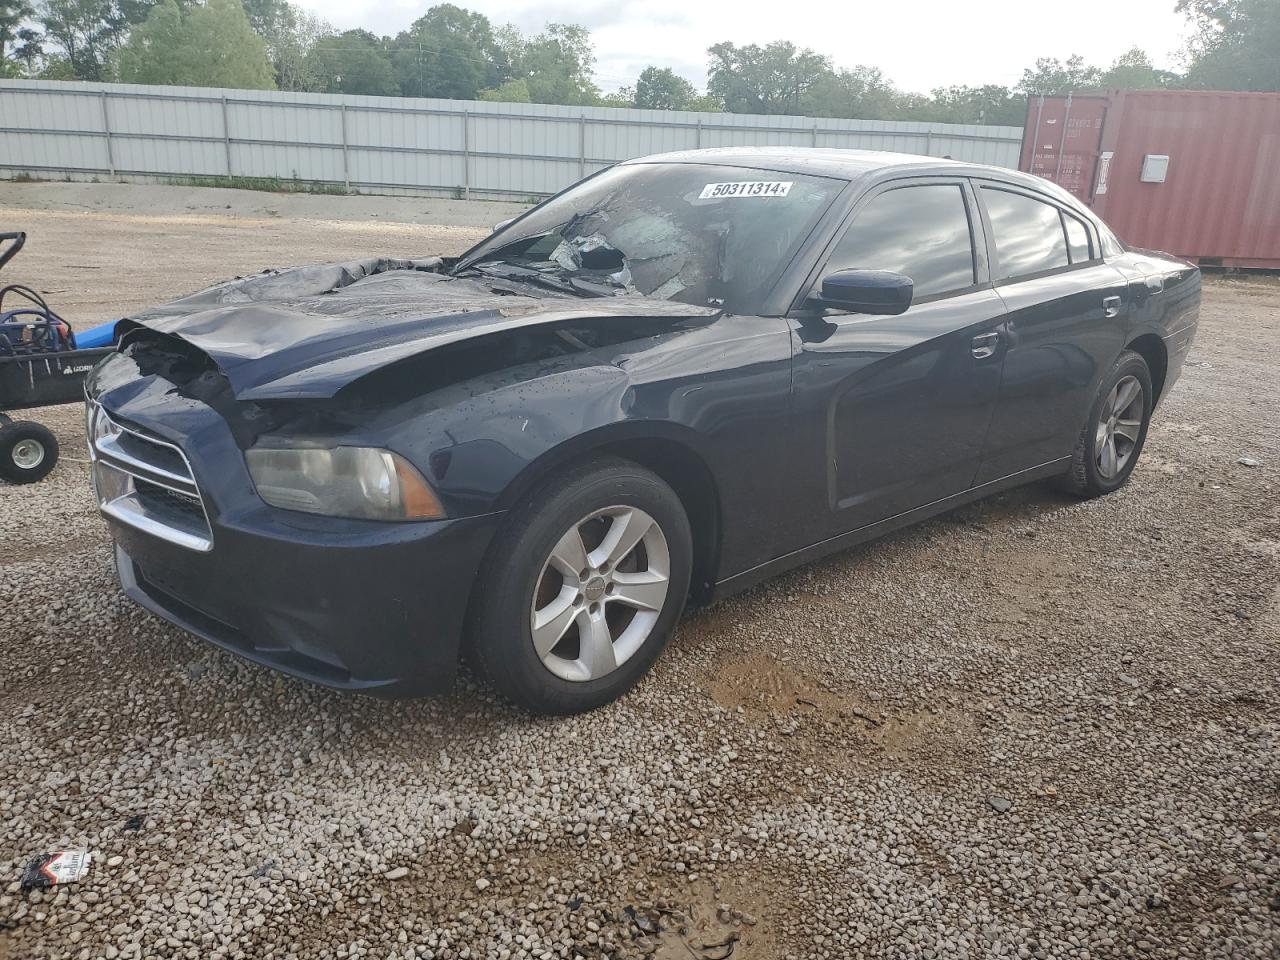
<point x="582" y="588"/>
<point x="1113" y="437"/>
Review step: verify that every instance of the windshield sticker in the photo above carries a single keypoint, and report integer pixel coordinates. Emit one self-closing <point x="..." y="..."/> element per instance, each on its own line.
<point x="746" y="188"/>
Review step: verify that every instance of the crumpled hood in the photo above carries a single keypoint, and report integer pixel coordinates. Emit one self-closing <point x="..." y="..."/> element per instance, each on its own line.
<point x="309" y="331"/>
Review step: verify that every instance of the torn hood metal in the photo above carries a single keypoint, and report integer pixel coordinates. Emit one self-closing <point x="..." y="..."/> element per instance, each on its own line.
<point x="306" y="333"/>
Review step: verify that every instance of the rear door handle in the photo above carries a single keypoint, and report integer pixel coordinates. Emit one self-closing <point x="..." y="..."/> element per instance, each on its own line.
<point x="1111" y="306"/>
<point x="984" y="344"/>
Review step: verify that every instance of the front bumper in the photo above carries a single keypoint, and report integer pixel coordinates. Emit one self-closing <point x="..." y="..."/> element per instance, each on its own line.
<point x="353" y="604"/>
<point x="382" y="614"/>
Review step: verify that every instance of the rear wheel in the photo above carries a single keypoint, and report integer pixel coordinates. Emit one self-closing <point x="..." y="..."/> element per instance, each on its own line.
<point x="582" y="588"/>
<point x="1112" y="439"/>
<point x="28" y="451"/>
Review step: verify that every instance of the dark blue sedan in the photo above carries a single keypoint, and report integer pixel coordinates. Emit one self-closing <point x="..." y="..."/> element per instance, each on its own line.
<point x="680" y="376"/>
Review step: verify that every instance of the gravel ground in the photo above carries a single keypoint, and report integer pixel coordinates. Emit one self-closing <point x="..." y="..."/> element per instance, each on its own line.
<point x="1030" y="728"/>
<point x="151" y="200"/>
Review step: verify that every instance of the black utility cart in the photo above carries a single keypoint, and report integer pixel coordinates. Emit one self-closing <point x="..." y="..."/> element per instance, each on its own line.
<point x="40" y="366"/>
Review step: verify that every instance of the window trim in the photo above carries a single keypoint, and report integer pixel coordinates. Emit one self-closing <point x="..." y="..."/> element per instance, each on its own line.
<point x="1094" y="256"/>
<point x="978" y="239"/>
<point x="1095" y="247"/>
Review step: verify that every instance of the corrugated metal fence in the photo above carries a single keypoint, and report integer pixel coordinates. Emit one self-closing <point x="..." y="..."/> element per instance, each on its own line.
<point x="393" y="145"/>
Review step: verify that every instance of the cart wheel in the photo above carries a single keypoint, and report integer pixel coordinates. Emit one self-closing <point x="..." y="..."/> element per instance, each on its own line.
<point x="28" y="451"/>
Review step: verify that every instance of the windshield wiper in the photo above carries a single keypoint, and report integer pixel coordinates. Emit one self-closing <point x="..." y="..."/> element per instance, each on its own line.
<point x="594" y="288"/>
<point x="562" y="281"/>
<point x="509" y="271"/>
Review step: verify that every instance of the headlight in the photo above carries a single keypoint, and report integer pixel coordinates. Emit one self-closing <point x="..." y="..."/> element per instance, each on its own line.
<point x="362" y="482"/>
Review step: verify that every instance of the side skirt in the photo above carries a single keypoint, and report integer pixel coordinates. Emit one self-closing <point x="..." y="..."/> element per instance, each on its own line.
<point x="771" y="568"/>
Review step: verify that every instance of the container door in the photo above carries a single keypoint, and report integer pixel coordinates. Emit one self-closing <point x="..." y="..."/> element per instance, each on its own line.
<point x="1062" y="141"/>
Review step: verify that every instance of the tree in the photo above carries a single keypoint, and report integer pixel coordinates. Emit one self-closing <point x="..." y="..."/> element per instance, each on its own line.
<point x="622" y="97"/>
<point x="1052" y="77"/>
<point x="770" y="79"/>
<point x="29" y="48"/>
<point x="508" y="44"/>
<point x="207" y="46"/>
<point x="661" y="88"/>
<point x="558" y="65"/>
<point x="12" y="15"/>
<point x="1133" y="70"/>
<point x="289" y="32"/>
<point x="266" y="15"/>
<point x="56" y="68"/>
<point x="511" y="91"/>
<point x="448" y="52"/>
<point x="89" y="32"/>
<point x="352" y="62"/>
<point x="991" y="103"/>
<point x="707" y="103"/>
<point x="1235" y="45"/>
<point x="862" y="92"/>
<point x="156" y="50"/>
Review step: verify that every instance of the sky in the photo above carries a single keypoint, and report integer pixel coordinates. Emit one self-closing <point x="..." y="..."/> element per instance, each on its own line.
<point x="918" y="44"/>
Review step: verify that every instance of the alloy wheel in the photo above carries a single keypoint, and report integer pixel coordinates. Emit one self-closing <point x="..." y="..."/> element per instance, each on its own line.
<point x="600" y="593"/>
<point x="1119" y="427"/>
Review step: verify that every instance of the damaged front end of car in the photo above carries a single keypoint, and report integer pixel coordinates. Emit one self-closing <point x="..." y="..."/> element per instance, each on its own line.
<point x="275" y="454"/>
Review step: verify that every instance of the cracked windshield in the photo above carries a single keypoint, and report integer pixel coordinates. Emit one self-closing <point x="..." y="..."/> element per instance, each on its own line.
<point x="697" y="233"/>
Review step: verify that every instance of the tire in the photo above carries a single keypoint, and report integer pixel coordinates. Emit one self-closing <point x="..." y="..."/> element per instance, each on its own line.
<point x="28" y="451"/>
<point x="1100" y="442"/>
<point x="524" y="579"/>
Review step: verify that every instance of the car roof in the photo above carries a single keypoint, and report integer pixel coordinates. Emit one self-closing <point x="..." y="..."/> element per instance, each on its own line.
<point x="820" y="161"/>
<point x="846" y="164"/>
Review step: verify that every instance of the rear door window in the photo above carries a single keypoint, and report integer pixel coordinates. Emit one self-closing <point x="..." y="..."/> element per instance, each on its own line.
<point x="1028" y="234"/>
<point x="919" y="231"/>
<point x="1078" y="245"/>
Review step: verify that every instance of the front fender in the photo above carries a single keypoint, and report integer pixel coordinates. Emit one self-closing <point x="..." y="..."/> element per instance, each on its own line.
<point x="474" y="446"/>
<point x="721" y="393"/>
<point x="619" y="435"/>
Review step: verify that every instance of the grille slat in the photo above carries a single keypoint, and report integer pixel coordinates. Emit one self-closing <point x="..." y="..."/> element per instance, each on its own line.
<point x="151" y="487"/>
<point x="165" y="501"/>
<point x="155" y="457"/>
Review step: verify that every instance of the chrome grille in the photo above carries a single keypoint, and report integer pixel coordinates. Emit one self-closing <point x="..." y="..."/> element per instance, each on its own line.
<point x="145" y="482"/>
<point x="182" y="506"/>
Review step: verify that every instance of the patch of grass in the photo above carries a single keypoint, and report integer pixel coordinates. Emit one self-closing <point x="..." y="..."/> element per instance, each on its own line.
<point x="264" y="184"/>
<point x="23" y="177"/>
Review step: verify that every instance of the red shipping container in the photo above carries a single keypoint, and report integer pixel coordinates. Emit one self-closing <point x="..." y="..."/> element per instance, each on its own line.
<point x="1193" y="173"/>
<point x="1060" y="140"/>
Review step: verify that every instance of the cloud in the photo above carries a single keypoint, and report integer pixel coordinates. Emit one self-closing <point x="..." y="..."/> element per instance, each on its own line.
<point x="592" y="15"/>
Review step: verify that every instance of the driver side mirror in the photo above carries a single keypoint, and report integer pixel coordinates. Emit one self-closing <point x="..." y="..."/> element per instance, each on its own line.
<point x="867" y="291"/>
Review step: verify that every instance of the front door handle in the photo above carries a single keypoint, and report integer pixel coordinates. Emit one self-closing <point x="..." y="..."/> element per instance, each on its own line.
<point x="1111" y="306"/>
<point x="984" y="344"/>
